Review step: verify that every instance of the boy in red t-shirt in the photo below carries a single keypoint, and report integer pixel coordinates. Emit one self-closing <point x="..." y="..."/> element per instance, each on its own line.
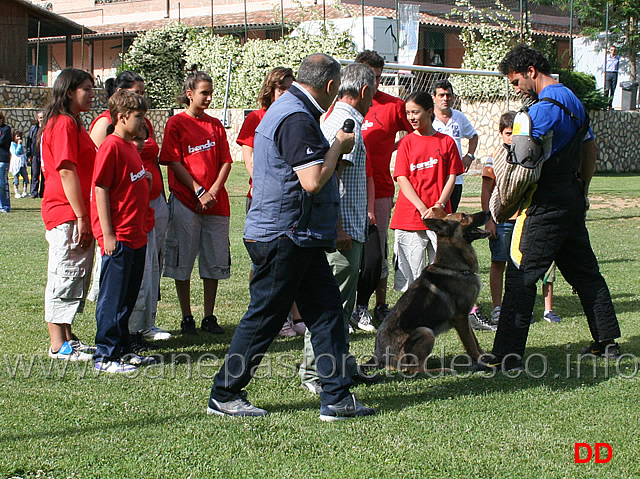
<point x="121" y="218"/>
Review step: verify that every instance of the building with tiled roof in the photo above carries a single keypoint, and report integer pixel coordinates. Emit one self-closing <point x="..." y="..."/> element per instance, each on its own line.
<point x="112" y="25"/>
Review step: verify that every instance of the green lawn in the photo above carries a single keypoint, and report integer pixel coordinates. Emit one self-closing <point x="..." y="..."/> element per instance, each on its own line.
<point x="57" y="424"/>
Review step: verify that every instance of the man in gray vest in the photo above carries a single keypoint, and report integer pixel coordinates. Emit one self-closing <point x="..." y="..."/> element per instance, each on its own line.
<point x="292" y="221"/>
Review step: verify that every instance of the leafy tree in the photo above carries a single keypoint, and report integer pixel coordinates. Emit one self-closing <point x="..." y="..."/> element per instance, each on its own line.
<point x="584" y="87"/>
<point x="624" y="20"/>
<point x="487" y="36"/>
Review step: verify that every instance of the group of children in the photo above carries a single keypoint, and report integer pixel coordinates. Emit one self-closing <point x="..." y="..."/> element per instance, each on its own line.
<point x="109" y="193"/>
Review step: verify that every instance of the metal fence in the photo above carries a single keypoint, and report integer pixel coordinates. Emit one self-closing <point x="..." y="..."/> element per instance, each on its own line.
<point x="481" y="95"/>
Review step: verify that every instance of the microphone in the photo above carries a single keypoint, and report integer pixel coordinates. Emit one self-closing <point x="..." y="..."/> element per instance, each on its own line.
<point x="348" y="125"/>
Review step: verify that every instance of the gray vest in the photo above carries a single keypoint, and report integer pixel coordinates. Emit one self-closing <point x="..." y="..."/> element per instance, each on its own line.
<point x="280" y="205"/>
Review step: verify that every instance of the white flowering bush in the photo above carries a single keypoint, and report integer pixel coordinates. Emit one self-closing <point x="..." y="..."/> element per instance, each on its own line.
<point x="162" y="57"/>
<point x="158" y="56"/>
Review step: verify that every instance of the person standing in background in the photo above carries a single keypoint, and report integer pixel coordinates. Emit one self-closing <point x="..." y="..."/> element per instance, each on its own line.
<point x="612" y="64"/>
<point x="33" y="155"/>
<point x="5" y="159"/>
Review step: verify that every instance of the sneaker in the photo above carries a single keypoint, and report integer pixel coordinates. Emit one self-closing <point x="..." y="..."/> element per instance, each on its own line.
<point x="17" y="195"/>
<point x="299" y="327"/>
<point x="480" y="322"/>
<point x="287" y="331"/>
<point x="362" y="319"/>
<point x="347" y="408"/>
<point x="210" y="325"/>
<point x="137" y="360"/>
<point x="313" y="386"/>
<point x="609" y="351"/>
<point x="156" y="334"/>
<point x="551" y="317"/>
<point x="188" y="326"/>
<point x="68" y="353"/>
<point x="495" y="315"/>
<point x="24" y="194"/>
<point x="80" y="346"/>
<point x="492" y="363"/>
<point x="236" y="407"/>
<point x="380" y="312"/>
<point x="139" y="344"/>
<point x="114" y="367"/>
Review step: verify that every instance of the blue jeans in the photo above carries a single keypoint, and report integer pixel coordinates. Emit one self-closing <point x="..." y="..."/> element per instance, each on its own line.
<point x="286" y="273"/>
<point x="120" y="280"/>
<point x="5" y="202"/>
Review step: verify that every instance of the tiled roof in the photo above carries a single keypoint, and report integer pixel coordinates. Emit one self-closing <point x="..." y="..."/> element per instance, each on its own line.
<point x="267" y="19"/>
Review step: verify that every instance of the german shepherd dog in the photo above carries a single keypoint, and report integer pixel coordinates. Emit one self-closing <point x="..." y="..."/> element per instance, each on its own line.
<point x="439" y="299"/>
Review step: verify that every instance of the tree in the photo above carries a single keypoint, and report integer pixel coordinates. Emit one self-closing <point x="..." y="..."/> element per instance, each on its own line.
<point x="624" y="19"/>
<point x="487" y="36"/>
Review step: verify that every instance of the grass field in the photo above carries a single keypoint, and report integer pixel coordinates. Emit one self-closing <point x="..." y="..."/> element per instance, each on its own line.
<point x="58" y="423"/>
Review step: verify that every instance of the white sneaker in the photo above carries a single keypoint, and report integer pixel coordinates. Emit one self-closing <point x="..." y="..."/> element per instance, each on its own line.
<point x="67" y="353"/>
<point x="154" y="333"/>
<point x="362" y="319"/>
<point x="17" y="195"/>
<point x="114" y="367"/>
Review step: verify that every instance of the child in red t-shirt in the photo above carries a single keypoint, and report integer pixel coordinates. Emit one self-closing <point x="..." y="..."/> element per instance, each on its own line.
<point x="121" y="219"/>
<point x="426" y="167"/>
<point x="196" y="149"/>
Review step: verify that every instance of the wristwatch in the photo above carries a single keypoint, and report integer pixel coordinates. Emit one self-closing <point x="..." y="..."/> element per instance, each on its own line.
<point x="200" y="191"/>
<point x="472" y="156"/>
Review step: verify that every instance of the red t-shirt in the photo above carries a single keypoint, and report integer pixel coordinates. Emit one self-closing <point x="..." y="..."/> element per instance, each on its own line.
<point x="201" y="145"/>
<point x="248" y="131"/>
<point x="63" y="141"/>
<point x="386" y="117"/>
<point x="427" y="161"/>
<point x="149" y="154"/>
<point x="120" y="169"/>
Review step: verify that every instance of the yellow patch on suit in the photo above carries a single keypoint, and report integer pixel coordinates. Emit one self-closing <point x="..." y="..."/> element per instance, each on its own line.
<point x="516" y="238"/>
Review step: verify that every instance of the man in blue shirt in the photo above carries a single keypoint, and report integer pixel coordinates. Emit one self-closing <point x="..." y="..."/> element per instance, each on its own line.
<point x="612" y="63"/>
<point x="551" y="225"/>
<point x="292" y="221"/>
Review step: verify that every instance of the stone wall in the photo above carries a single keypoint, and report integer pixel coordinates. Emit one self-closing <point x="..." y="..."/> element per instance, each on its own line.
<point x="617" y="132"/>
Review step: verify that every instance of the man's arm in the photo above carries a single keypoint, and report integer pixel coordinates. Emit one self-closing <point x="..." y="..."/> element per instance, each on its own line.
<point x="314" y="177"/>
<point x="588" y="164"/>
<point x="473" y="145"/>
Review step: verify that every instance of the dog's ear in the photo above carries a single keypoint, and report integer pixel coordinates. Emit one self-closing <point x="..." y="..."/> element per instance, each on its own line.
<point x="436" y="225"/>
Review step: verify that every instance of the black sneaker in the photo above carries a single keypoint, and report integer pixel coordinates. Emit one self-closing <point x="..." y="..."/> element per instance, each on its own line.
<point x="610" y="350"/>
<point x="489" y="362"/>
<point x="347" y="408"/>
<point x="139" y="344"/>
<point x="380" y="312"/>
<point x="210" y="325"/>
<point x="188" y="326"/>
<point x="236" y="407"/>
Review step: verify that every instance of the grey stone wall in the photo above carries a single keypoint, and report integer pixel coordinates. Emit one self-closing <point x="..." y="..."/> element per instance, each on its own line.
<point x="617" y="132"/>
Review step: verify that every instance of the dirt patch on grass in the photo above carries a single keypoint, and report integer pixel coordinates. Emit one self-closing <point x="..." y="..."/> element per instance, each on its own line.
<point x="471" y="204"/>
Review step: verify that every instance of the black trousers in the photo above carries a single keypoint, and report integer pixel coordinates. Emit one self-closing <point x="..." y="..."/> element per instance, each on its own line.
<point x="552" y="228"/>
<point x="611" y="79"/>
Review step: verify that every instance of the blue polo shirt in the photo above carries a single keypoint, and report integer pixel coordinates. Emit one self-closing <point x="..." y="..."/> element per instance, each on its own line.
<point x="546" y="116"/>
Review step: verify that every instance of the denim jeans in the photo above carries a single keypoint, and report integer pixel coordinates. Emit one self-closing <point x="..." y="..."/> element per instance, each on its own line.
<point x="285" y="273"/>
<point x="120" y="280"/>
<point x="5" y="202"/>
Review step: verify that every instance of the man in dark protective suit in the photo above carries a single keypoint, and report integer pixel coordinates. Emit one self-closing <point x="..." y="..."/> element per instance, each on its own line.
<point x="551" y="225"/>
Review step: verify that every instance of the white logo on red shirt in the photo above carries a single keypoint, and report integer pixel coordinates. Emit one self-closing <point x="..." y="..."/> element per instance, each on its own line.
<point x="204" y="147"/>
<point x="366" y="124"/>
<point x="424" y="165"/>
<point x="138" y="175"/>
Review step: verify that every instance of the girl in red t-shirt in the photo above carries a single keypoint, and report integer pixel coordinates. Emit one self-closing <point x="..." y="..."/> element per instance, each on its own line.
<point x="196" y="150"/>
<point x="142" y="324"/>
<point x="68" y="156"/>
<point x="426" y="167"/>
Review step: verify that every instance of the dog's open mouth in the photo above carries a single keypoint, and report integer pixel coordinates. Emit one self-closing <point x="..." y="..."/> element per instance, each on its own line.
<point x="472" y="234"/>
